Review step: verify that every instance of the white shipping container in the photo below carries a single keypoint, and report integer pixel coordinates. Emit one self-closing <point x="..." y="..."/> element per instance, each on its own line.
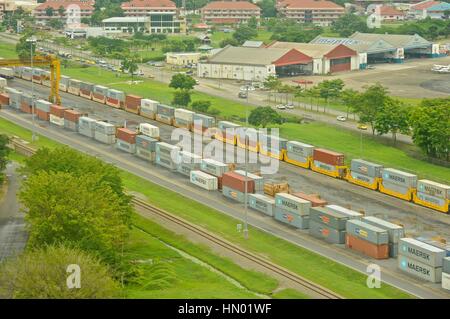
<point x="214" y="167"/>
<point x="433" y="188"/>
<point x="56" y="120"/>
<point x="149" y="130"/>
<point x="204" y="180"/>
<point x="43" y="105"/>
<point x="149" y="105"/>
<point x="184" y="115"/>
<point x="446" y="281"/>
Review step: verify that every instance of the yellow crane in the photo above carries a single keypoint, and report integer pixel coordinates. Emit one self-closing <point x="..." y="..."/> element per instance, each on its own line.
<point x="39" y="61"/>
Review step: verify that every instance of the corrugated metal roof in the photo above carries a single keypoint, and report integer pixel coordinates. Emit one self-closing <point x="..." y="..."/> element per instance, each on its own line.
<point x="250" y="56"/>
<point x="311" y="49"/>
<point x="253" y="44"/>
<point x="440" y="7"/>
<point x="397" y="40"/>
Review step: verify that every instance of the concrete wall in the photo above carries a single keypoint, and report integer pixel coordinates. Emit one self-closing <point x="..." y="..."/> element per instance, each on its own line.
<point x="235" y="72"/>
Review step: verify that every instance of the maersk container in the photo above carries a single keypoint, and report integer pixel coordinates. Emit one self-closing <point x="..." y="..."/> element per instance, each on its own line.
<point x="404" y="190"/>
<point x="393" y="250"/>
<point x="126" y="147"/>
<point x="431" y="199"/>
<point x="86" y="126"/>
<point x="271" y="143"/>
<point x="444" y="246"/>
<point x="433" y="189"/>
<point x="329" y="234"/>
<point x="188" y="162"/>
<point x="167" y="151"/>
<point x="205" y="120"/>
<point x="362" y="178"/>
<point x="43" y="105"/>
<point x="425" y="253"/>
<point x="446" y="265"/>
<point x="204" y="180"/>
<point x="292" y="204"/>
<point x="297" y="149"/>
<point x="367" y="232"/>
<point x="395" y="231"/>
<point x="295" y="220"/>
<point x="214" y="167"/>
<point x="105" y="128"/>
<point x="149" y="130"/>
<point x="146" y="142"/>
<point x="400" y="178"/>
<point x="328" y="217"/>
<point x="104" y="138"/>
<point x="262" y="203"/>
<point x="259" y="181"/>
<point x="363" y="167"/>
<point x="145" y="154"/>
<point x="420" y="270"/>
<point x="166" y="162"/>
<point x="233" y="194"/>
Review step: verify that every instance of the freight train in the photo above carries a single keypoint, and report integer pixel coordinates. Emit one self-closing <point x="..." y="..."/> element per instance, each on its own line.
<point x="363" y="173"/>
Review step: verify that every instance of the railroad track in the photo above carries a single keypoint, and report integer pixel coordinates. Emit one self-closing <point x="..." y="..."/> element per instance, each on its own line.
<point x="320" y="291"/>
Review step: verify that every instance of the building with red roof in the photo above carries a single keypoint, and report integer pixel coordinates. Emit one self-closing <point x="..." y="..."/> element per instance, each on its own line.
<point x="320" y="12"/>
<point x="389" y="13"/>
<point x="74" y="10"/>
<point x="419" y="10"/>
<point x="230" y="12"/>
<point x="141" y="8"/>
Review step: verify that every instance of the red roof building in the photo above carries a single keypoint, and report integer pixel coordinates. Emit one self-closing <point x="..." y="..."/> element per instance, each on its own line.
<point x="320" y="12"/>
<point x="419" y="10"/>
<point x="140" y="8"/>
<point x="230" y="12"/>
<point x="74" y="10"/>
<point x="388" y="13"/>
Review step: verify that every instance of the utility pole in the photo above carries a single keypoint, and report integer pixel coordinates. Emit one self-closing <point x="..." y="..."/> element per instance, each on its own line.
<point x="32" y="40"/>
<point x="246" y="169"/>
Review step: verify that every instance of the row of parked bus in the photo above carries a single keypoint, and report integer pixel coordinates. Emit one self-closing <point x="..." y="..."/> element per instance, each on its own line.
<point x="390" y="181"/>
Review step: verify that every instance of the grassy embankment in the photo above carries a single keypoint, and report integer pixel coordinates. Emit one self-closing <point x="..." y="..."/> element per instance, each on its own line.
<point x="343" y="280"/>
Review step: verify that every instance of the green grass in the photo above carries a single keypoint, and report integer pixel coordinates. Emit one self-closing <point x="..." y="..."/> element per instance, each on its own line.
<point x="339" y="278"/>
<point x="289" y="294"/>
<point x="7" y="51"/>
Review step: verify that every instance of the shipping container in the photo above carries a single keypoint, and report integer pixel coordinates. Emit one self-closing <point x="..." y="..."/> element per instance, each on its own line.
<point x="393" y="250"/>
<point x="271" y="145"/>
<point x="145" y="154"/>
<point x="104" y="138"/>
<point x="203" y="122"/>
<point x="188" y="162"/>
<point x="366" y="168"/>
<point x="432" y="202"/>
<point x="149" y="130"/>
<point x="167" y="151"/>
<point x="56" y="120"/>
<point x="214" y="167"/>
<point x="420" y="270"/>
<point x="4" y="99"/>
<point x="165" y="114"/>
<point x="166" y="162"/>
<point x="433" y="189"/>
<point x="18" y="71"/>
<point x="57" y="110"/>
<point x="259" y="181"/>
<point x="446" y="265"/>
<point x="302" y="150"/>
<point x="64" y="83"/>
<point x="367" y="248"/>
<point x="42" y="115"/>
<point x="71" y="125"/>
<point x="328" y="157"/>
<point x="446" y="281"/>
<point x="46" y="80"/>
<point x="400" y="178"/>
<point x="441" y="245"/>
<point x="262" y="203"/>
<point x="363" y="178"/>
<point x="397" y="190"/>
<point x="328" y="217"/>
<point x="86" y="90"/>
<point x="86" y="126"/>
<point x="247" y="137"/>
<point x="37" y="75"/>
<point x="223" y="125"/>
<point x="227" y="132"/>
<point x="238" y="182"/>
<point x="125" y="146"/>
<point x="292" y="204"/>
<point x="105" y="128"/>
<point x="367" y="232"/>
<point x="27" y="73"/>
<point x="133" y="103"/>
<point x="115" y="98"/>
<point x="315" y="199"/>
<point x="273" y="187"/>
<point x="425" y="253"/>
<point x="149" y="108"/>
<point x="74" y="86"/>
<point x="395" y="232"/>
<point x="7" y="73"/>
<point x="15" y="97"/>
<point x="99" y="93"/>
<point x="233" y="193"/>
<point x="329" y="234"/>
<point x="295" y="220"/>
<point x="204" y="180"/>
<point x="43" y="105"/>
<point x="126" y="135"/>
<point x="327" y="169"/>
<point x="146" y="142"/>
<point x="26" y="103"/>
<point x="183" y="118"/>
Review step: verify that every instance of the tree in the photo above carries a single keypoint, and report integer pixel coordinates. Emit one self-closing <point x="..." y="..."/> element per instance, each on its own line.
<point x="182" y="81"/>
<point x="350" y="98"/>
<point x="130" y="65"/>
<point x="49" y="12"/>
<point x="4" y="152"/>
<point x="348" y="24"/>
<point x="253" y="22"/>
<point x="430" y="123"/>
<point x="42" y="274"/>
<point x="201" y="106"/>
<point x="262" y="116"/>
<point x="268" y="8"/>
<point x="23" y="47"/>
<point x="229" y="41"/>
<point x="330" y="89"/>
<point x="61" y="11"/>
<point x="272" y="83"/>
<point x="392" y="118"/>
<point x="56" y="24"/>
<point x="181" y="98"/>
<point x="244" y="33"/>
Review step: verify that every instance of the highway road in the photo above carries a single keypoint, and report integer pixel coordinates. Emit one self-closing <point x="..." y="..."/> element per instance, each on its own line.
<point x="181" y="185"/>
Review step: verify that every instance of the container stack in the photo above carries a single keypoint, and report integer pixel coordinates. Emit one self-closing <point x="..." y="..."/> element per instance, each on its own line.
<point x="214" y="168"/>
<point x="43" y="110"/>
<point x="46" y="78"/>
<point x="327" y="224"/>
<point x="273" y="187"/>
<point x="37" y="73"/>
<point x="436" y="243"/>
<point x="26" y="103"/>
<point x="420" y="259"/>
<point x="105" y="132"/>
<point x="15" y="97"/>
<point x="292" y="210"/>
<point x="115" y="98"/>
<point x="299" y="153"/>
<point x="4" y="99"/>
<point x="146" y="147"/>
<point x="367" y="239"/>
<point x="18" y="71"/>
<point x="272" y="146"/>
<point x="247" y="137"/>
<point x="149" y="108"/>
<point x="234" y="186"/>
<point x="149" y="130"/>
<point x="133" y="103"/>
<point x="167" y="155"/>
<point x="71" y="119"/>
<point x="397" y="183"/>
<point x="57" y="115"/>
<point x="27" y="73"/>
<point x="99" y="93"/>
<point x="204" y="180"/>
<point x="315" y="199"/>
<point x="188" y="162"/>
<point x="262" y="203"/>
<point x="328" y="161"/>
<point x="126" y="140"/>
<point x="165" y="114"/>
<point x="183" y="118"/>
<point x="365" y="172"/>
<point x="86" y="90"/>
<point x="203" y="123"/>
<point x="432" y="193"/>
<point x="74" y="86"/>
<point x="227" y="132"/>
<point x="446" y="273"/>
<point x="64" y="83"/>
<point x="259" y="181"/>
<point x="395" y="232"/>
<point x="345" y="211"/>
<point x="86" y="126"/>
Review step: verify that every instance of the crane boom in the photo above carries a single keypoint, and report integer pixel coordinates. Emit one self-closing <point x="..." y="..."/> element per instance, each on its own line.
<point x="48" y="60"/>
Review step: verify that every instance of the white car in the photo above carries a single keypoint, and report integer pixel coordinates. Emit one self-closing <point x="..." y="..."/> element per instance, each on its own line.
<point x="281" y="107"/>
<point x="247" y="87"/>
<point x="341" y="118"/>
<point x="290" y="106"/>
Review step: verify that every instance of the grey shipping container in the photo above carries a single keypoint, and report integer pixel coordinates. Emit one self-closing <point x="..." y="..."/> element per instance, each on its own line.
<point x="329" y="234"/>
<point x="431" y="199"/>
<point x="395" y="187"/>
<point x="145" y="154"/>
<point x="393" y="250"/>
<point x="146" y="142"/>
<point x="104" y="138"/>
<point x="43" y="105"/>
<point x="444" y="246"/>
<point x="292" y="204"/>
<point x="363" y="167"/>
<point x="434" y="189"/>
<point x="69" y="125"/>
<point x="328" y="217"/>
<point x="362" y="178"/>
<point x="298" y="158"/>
<point x="105" y="128"/>
<point x="399" y="178"/>
<point x="186" y="168"/>
<point x="214" y="167"/>
<point x="167" y="150"/>
<point x="272" y="143"/>
<point x="423" y="252"/>
<point x="295" y="148"/>
<point x="126" y="147"/>
<point x="325" y="166"/>
<point x="395" y="231"/>
<point x="206" y="121"/>
<point x="297" y="221"/>
<point x="86" y="131"/>
<point x="165" y="110"/>
<point x="166" y="162"/>
<point x="223" y="125"/>
<point x="233" y="194"/>
<point x="259" y="181"/>
<point x="367" y="232"/>
<point x="262" y="203"/>
<point x="446" y="265"/>
<point x="419" y="270"/>
<point x="345" y="211"/>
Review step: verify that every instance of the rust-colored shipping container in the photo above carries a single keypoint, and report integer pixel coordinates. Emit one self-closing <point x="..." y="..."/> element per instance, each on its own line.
<point x="328" y="157"/>
<point x="313" y="198"/>
<point x="133" y="103"/>
<point x="42" y="115"/>
<point x="72" y="115"/>
<point x="57" y="110"/>
<point x="367" y="248"/>
<point x="126" y="135"/>
<point x="4" y="99"/>
<point x="219" y="182"/>
<point x="26" y="108"/>
<point x="237" y="182"/>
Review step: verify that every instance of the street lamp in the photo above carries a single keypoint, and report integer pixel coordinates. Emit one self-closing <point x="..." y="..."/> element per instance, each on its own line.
<point x="246" y="167"/>
<point x="32" y="40"/>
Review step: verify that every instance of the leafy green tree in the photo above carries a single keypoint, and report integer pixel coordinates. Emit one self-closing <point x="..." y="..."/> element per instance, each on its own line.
<point x="229" y="41"/>
<point x="268" y="8"/>
<point x="244" y="33"/>
<point x="201" y="106"/>
<point x="348" y="24"/>
<point x="56" y="24"/>
<point x="430" y="123"/>
<point x="130" y="65"/>
<point x="253" y="22"/>
<point x="23" y="47"/>
<point x="272" y="83"/>
<point x="49" y="12"/>
<point x="4" y="153"/>
<point x="292" y="31"/>
<point x="61" y="11"/>
<point x="330" y="89"/>
<point x="350" y="98"/>
<point x="262" y="116"/>
<point x="182" y="81"/>
<point x="392" y="118"/>
<point x="181" y="98"/>
<point x="42" y="274"/>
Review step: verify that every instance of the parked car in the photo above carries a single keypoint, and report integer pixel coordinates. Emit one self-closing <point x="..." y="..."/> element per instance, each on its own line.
<point x="242" y="95"/>
<point x="281" y="106"/>
<point x="290" y="106"/>
<point x="341" y="118"/>
<point x="362" y="126"/>
<point x="247" y="88"/>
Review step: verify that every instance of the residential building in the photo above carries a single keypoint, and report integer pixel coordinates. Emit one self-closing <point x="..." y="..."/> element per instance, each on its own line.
<point x="142" y="8"/>
<point x="73" y="10"/>
<point x="229" y="12"/>
<point x="419" y="10"/>
<point x="438" y="11"/>
<point x="389" y="13"/>
<point x="320" y="12"/>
